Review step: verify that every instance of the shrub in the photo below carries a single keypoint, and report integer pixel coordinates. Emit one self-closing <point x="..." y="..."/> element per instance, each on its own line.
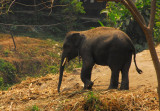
<point x="1" y="83"/>
<point x="33" y="108"/>
<point x="7" y="72"/>
<point x="92" y="103"/>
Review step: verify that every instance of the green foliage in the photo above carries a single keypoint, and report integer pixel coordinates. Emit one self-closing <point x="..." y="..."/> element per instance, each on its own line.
<point x="119" y="16"/>
<point x="102" y="25"/>
<point x="73" y="64"/>
<point x="1" y="83"/>
<point x="92" y="103"/>
<point x="116" y="13"/>
<point x="3" y="86"/>
<point x="157" y="23"/>
<point x="49" y="67"/>
<point x="33" y="108"/>
<point x="7" y="71"/>
<point x="73" y="6"/>
<point x="143" y="4"/>
<point x="52" y="69"/>
<point x="71" y="13"/>
<point x="6" y="52"/>
<point x="91" y="97"/>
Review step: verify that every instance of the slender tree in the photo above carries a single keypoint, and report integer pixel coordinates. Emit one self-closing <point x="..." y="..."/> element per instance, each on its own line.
<point x="148" y="31"/>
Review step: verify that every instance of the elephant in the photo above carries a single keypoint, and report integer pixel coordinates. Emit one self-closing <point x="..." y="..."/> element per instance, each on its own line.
<point x="106" y="46"/>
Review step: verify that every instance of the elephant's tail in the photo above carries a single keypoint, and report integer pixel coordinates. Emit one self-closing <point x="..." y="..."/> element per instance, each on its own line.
<point x="134" y="53"/>
<point x="138" y="70"/>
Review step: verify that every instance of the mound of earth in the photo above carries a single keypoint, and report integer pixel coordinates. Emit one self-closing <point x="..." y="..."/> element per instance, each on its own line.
<point x="42" y="91"/>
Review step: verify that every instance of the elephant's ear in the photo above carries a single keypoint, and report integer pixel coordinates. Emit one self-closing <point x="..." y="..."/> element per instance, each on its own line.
<point x="76" y="39"/>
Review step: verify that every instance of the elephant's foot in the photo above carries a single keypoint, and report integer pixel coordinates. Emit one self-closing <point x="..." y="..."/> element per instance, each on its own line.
<point x="123" y="87"/>
<point x="112" y="87"/>
<point x="88" y="85"/>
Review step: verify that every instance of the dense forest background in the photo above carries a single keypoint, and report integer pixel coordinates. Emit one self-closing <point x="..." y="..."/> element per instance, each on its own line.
<point x="58" y="17"/>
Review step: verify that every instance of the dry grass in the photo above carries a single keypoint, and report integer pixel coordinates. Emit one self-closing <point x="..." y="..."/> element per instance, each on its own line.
<point x="31" y="55"/>
<point x="42" y="92"/>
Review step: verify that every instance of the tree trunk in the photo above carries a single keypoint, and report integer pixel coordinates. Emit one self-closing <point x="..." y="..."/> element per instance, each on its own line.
<point x="154" y="56"/>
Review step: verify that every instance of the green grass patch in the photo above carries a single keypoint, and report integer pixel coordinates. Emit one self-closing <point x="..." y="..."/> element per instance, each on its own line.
<point x="33" y="108"/>
<point x="93" y="103"/>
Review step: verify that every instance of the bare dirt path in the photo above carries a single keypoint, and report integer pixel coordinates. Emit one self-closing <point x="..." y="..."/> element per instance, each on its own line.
<point x="101" y="74"/>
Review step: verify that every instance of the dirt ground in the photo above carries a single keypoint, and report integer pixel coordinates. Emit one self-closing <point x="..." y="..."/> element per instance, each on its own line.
<point x="101" y="74"/>
<point x="43" y="91"/>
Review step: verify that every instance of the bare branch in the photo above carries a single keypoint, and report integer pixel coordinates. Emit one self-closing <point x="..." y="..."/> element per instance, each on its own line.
<point x="52" y="1"/>
<point x="152" y="15"/>
<point x="33" y="5"/>
<point x="11" y="5"/>
<point x="5" y="5"/>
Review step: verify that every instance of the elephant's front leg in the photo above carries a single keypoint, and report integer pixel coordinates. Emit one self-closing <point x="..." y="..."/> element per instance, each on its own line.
<point x="86" y="75"/>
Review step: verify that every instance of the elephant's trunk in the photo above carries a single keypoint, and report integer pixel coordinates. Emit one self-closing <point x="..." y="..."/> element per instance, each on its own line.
<point x="63" y="61"/>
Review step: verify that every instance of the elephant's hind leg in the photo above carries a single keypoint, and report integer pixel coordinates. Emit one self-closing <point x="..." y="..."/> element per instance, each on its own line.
<point x="125" y="77"/>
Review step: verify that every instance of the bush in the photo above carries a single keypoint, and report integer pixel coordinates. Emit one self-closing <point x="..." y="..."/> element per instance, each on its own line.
<point x="3" y="86"/>
<point x="7" y="72"/>
<point x="54" y="69"/>
<point x="33" y="108"/>
<point x="92" y="103"/>
<point x="1" y="83"/>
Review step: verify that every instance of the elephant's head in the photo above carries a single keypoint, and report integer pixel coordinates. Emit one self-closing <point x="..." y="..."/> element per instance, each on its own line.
<point x="71" y="47"/>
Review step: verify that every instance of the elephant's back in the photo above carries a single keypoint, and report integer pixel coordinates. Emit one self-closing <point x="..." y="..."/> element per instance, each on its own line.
<point x="106" y="34"/>
<point x="107" y="37"/>
<point x="99" y="31"/>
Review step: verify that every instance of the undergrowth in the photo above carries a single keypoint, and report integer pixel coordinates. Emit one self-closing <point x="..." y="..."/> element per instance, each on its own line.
<point x="7" y="74"/>
<point x="3" y="86"/>
<point x="7" y="71"/>
<point x="93" y="103"/>
<point x="33" y="57"/>
<point x="33" y="108"/>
